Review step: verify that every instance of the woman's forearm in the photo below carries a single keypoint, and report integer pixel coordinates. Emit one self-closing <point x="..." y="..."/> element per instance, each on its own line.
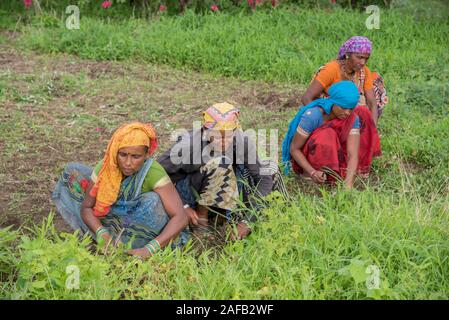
<point x="87" y="214"/>
<point x="372" y="105"/>
<point x="305" y="100"/>
<point x="301" y="160"/>
<point x="178" y="217"/>
<point x="174" y="226"/>
<point x="374" y="113"/>
<point x="351" y="170"/>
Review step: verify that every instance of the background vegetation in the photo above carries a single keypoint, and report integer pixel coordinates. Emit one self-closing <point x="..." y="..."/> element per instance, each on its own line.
<point x="166" y="66"/>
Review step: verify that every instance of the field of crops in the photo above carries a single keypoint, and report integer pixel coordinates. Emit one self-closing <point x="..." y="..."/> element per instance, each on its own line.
<point x="63" y="92"/>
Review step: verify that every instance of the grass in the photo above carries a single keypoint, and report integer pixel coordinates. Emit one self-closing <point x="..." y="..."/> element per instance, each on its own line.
<point x="61" y="105"/>
<point x="325" y="244"/>
<point x="277" y="46"/>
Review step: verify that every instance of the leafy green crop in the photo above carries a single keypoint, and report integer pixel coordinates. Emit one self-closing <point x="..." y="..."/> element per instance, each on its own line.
<point x="325" y="244"/>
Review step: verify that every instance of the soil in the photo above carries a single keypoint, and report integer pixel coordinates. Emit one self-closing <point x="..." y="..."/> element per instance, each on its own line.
<point x="56" y="109"/>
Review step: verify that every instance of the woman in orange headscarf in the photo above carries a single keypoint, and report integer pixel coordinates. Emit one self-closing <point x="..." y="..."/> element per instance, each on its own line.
<point x="127" y="196"/>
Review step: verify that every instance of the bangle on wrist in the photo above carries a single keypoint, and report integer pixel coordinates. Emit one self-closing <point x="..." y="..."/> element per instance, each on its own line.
<point x="246" y="223"/>
<point x="153" y="246"/>
<point x="313" y="172"/>
<point x="101" y="231"/>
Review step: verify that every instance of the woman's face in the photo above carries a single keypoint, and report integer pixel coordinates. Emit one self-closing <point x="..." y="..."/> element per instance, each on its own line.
<point x="131" y="159"/>
<point x="358" y="60"/>
<point x="340" y="112"/>
<point x="221" y="139"/>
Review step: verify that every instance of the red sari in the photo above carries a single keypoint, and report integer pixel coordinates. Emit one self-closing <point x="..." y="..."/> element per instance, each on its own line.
<point x="326" y="146"/>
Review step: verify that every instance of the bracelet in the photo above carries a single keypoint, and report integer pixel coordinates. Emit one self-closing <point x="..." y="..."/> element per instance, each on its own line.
<point x="245" y="222"/>
<point x="186" y="206"/>
<point x="313" y="172"/>
<point x="100" y="231"/>
<point x="153" y="246"/>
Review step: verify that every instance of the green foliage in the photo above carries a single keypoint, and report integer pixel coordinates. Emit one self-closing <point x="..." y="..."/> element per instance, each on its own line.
<point x="318" y="246"/>
<point x="312" y="249"/>
<point x="274" y="46"/>
<point x="42" y="267"/>
<point x="126" y="8"/>
<point x="7" y="237"/>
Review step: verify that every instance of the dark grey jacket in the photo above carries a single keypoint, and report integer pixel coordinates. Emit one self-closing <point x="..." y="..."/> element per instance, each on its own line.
<point x="191" y="151"/>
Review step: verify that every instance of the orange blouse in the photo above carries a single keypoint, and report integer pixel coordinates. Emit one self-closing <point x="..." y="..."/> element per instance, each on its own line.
<point x="330" y="73"/>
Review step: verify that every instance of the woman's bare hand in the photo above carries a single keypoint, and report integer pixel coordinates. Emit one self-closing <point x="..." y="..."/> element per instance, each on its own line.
<point x="140" y="252"/>
<point x="193" y="216"/>
<point x="243" y="230"/>
<point x="318" y="176"/>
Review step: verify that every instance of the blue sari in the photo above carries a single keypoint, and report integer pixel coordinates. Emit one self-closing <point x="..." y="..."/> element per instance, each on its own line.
<point x="137" y="217"/>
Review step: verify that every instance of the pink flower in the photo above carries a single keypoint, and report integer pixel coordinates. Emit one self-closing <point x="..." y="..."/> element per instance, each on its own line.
<point x="258" y="2"/>
<point x="162" y="8"/>
<point x="84" y="184"/>
<point x="274" y="3"/>
<point x="334" y="1"/>
<point x="106" y="4"/>
<point x="214" y="8"/>
<point x="252" y="4"/>
<point x="27" y="3"/>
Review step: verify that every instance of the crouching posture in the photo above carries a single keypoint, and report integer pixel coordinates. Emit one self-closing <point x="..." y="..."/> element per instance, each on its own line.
<point x="216" y="168"/>
<point x="332" y="135"/>
<point x="128" y="196"/>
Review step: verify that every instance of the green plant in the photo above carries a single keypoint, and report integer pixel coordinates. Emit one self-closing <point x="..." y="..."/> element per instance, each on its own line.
<point x="319" y="245"/>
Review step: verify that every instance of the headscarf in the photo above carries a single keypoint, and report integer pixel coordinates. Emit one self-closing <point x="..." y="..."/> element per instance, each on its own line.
<point x="344" y="94"/>
<point x="357" y="44"/>
<point x="221" y="116"/>
<point x="107" y="186"/>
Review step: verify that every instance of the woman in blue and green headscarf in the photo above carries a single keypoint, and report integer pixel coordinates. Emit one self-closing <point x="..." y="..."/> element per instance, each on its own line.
<point x="326" y="135"/>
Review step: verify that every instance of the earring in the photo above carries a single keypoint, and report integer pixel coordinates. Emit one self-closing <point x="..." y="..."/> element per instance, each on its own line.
<point x="347" y="57"/>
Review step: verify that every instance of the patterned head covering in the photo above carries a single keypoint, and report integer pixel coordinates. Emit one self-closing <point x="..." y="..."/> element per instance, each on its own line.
<point x="357" y="44"/>
<point x="107" y="187"/>
<point x="221" y="116"/>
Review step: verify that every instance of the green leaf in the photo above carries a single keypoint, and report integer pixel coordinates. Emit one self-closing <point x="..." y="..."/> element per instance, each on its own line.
<point x="39" y="284"/>
<point x="357" y="270"/>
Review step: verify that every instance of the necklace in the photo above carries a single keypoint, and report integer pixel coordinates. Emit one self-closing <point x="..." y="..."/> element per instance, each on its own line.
<point x="343" y="69"/>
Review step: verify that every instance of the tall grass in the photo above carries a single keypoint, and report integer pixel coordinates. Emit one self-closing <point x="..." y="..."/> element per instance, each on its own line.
<point x="283" y="45"/>
<point x="308" y="249"/>
<point x="315" y="247"/>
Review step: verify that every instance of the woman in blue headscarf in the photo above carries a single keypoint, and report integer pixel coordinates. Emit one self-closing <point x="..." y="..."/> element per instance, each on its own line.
<point x="351" y="64"/>
<point x="325" y="135"/>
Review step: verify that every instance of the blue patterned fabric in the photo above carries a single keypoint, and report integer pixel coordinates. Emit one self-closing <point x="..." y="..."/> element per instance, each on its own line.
<point x="141" y="215"/>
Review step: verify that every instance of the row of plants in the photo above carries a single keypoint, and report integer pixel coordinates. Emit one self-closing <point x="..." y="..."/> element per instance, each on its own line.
<point x="180" y="6"/>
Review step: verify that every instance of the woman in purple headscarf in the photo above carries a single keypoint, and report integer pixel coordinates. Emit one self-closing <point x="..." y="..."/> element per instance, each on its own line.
<point x="351" y="65"/>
